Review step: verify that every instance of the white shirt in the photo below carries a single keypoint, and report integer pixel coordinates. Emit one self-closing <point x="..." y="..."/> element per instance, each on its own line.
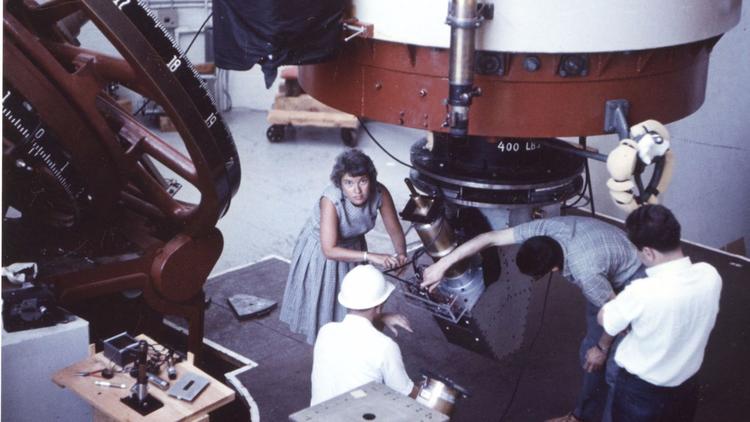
<point x="671" y="314"/>
<point x="352" y="353"/>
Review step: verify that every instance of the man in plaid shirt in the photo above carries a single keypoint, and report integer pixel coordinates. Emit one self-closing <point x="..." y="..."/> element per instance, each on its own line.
<point x="595" y="256"/>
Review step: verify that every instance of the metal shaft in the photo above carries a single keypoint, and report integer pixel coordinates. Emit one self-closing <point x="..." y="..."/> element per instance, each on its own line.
<point x="462" y="17"/>
<point x="141" y="386"/>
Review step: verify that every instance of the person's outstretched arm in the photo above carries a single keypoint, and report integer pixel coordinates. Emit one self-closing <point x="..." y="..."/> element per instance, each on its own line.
<point x="434" y="273"/>
<point x="329" y="233"/>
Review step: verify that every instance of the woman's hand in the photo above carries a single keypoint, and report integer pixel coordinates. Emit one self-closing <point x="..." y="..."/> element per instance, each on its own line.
<point x="395" y="320"/>
<point x="382" y="260"/>
<point x="401" y="261"/>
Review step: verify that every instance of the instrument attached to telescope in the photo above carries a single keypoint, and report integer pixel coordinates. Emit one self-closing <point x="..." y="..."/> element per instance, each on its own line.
<point x="464" y="281"/>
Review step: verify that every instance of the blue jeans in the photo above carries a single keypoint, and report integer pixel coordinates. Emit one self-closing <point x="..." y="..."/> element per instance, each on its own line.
<point x="596" y="395"/>
<point x="636" y="400"/>
<point x="597" y="391"/>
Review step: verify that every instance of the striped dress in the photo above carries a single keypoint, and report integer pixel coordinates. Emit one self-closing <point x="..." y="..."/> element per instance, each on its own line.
<point x="313" y="283"/>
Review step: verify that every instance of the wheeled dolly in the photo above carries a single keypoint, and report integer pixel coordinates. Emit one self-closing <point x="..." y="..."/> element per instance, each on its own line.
<point x="292" y="107"/>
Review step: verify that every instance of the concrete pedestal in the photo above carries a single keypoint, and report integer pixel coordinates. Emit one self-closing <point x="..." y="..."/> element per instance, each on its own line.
<point x="29" y="359"/>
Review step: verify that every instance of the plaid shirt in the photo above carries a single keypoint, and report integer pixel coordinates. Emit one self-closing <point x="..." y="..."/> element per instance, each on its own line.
<point x="599" y="258"/>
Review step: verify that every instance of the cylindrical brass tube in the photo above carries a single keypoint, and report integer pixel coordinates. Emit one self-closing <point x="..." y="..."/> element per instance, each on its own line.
<point x="437" y="238"/>
<point x="437" y="395"/>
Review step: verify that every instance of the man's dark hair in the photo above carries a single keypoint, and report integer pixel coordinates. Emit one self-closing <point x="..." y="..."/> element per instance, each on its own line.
<point x="355" y="163"/>
<point x="654" y="226"/>
<point x="538" y="255"/>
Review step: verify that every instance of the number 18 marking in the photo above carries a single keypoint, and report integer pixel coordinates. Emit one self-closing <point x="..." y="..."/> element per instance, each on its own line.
<point x="174" y="64"/>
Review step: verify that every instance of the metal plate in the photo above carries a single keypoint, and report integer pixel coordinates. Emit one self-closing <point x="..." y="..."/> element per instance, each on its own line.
<point x="188" y="386"/>
<point x="370" y="402"/>
<point x="249" y="306"/>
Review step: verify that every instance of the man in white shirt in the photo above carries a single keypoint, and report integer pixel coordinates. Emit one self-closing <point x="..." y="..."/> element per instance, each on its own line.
<point x="670" y="314"/>
<point x="353" y="352"/>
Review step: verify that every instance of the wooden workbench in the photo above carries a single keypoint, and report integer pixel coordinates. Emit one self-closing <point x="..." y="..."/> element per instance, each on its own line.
<point x="106" y="400"/>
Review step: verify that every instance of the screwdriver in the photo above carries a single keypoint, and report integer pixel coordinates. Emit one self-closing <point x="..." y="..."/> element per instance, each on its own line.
<point x="87" y="373"/>
<point x="110" y="384"/>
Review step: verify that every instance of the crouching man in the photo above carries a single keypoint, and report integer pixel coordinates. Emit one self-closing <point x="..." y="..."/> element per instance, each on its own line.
<point x="353" y="352"/>
<point x="670" y="313"/>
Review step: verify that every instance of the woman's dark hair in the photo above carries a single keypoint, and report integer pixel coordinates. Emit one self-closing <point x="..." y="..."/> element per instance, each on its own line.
<point x="538" y="255"/>
<point x="355" y="163"/>
<point x="654" y="226"/>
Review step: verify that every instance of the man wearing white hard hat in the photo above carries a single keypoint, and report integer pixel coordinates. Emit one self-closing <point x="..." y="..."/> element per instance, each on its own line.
<point x="353" y="352"/>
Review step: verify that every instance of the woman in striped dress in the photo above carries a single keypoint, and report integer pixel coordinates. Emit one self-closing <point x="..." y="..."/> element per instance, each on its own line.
<point x="333" y="241"/>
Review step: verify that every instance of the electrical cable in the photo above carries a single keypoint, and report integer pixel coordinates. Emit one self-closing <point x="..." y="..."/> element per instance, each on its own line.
<point x="402" y="280"/>
<point x="224" y="85"/>
<point x="582" y="194"/>
<point x="528" y="351"/>
<point x="577" y="203"/>
<point x="591" y="194"/>
<point x="198" y="32"/>
<point x="148" y="100"/>
<point x="418" y="252"/>
<point x="582" y="141"/>
<point x="361" y="122"/>
<point x="415" y="256"/>
<point x="587" y="186"/>
<point x="589" y="200"/>
<point x="140" y="109"/>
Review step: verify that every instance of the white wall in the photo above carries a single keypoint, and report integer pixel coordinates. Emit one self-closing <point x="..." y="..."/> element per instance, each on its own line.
<point x="710" y="191"/>
<point x="248" y="89"/>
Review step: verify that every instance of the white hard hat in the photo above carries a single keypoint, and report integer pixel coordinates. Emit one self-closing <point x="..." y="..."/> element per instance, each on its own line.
<point x="364" y="287"/>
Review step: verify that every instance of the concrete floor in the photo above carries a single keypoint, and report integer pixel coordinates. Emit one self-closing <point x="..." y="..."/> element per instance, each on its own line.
<point x="281" y="182"/>
<point x="280" y="185"/>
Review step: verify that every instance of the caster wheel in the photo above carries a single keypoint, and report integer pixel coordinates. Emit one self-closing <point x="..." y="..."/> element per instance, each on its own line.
<point x="293" y="88"/>
<point x="349" y="137"/>
<point x="275" y="133"/>
<point x="290" y="132"/>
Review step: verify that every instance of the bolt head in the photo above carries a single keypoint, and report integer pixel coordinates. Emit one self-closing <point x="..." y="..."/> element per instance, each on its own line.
<point x="532" y="63"/>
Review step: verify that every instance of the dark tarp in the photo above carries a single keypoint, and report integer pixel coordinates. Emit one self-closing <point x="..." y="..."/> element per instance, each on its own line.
<point x="273" y="33"/>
